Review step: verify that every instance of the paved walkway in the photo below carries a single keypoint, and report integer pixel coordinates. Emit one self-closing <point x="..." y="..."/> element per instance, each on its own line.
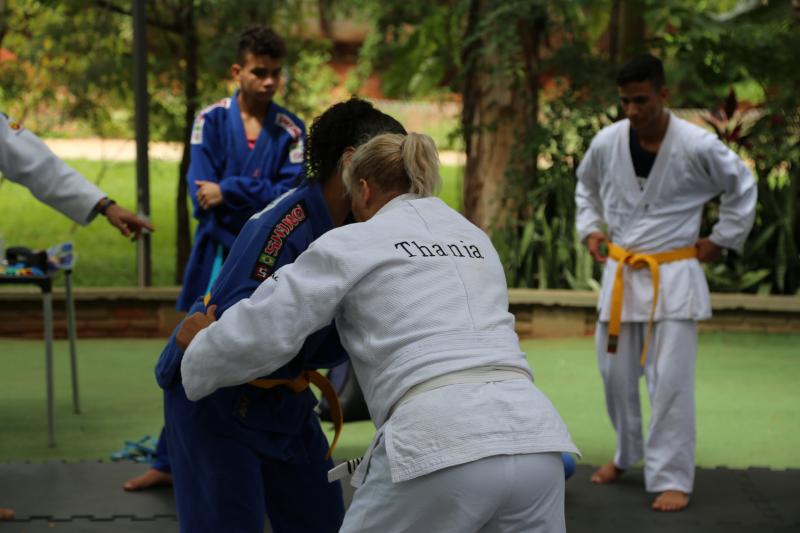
<point x="97" y="149"/>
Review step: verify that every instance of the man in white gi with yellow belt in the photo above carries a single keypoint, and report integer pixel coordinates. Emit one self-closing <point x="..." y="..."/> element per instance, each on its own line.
<point x="646" y="179"/>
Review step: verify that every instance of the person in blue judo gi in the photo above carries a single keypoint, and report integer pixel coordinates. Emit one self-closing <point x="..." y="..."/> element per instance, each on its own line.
<point x="258" y="449"/>
<point x="246" y="151"/>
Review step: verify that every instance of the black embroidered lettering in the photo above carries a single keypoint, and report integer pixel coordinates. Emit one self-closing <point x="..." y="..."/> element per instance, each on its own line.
<point x="439" y="250"/>
<point x="465" y="248"/>
<point x="476" y="253"/>
<point x="455" y="250"/>
<point x="404" y="245"/>
<point x="424" y="250"/>
<point x="273" y="245"/>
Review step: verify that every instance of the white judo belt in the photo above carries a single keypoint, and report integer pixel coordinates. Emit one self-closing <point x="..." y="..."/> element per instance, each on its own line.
<point x="482" y="374"/>
<point x="344" y="469"/>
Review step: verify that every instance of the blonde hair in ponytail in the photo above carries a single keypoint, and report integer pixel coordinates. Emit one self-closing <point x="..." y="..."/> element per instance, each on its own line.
<point x="394" y="162"/>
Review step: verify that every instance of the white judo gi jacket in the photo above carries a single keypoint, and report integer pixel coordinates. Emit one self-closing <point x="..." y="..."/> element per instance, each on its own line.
<point x="26" y="160"/>
<point x="692" y="167"/>
<point x="417" y="292"/>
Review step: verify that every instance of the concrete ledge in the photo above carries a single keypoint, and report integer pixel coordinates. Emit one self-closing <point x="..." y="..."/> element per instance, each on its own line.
<point x="159" y="294"/>
<point x="560" y="313"/>
<point x="150" y="312"/>
<point x="100" y="312"/>
<point x="558" y="298"/>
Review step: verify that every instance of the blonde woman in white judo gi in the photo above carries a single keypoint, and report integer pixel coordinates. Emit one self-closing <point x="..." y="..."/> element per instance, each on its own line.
<point x="641" y="189"/>
<point x="26" y="160"/>
<point x="465" y="441"/>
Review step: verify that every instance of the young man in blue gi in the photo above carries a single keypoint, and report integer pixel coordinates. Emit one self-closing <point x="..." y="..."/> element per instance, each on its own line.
<point x="246" y="151"/>
<point x="247" y="451"/>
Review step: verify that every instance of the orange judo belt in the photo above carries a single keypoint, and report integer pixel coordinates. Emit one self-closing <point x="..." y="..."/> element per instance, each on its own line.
<point x="636" y="261"/>
<point x="301" y="383"/>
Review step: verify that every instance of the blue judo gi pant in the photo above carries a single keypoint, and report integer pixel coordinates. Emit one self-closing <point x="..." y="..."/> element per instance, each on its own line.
<point x="161" y="459"/>
<point x="227" y="478"/>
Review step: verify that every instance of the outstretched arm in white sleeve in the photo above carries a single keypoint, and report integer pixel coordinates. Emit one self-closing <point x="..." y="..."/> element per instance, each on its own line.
<point x="26" y="160"/>
<point x="260" y="334"/>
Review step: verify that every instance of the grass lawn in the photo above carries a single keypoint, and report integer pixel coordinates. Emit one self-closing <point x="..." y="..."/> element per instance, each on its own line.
<point x="748" y="402"/>
<point x="105" y="259"/>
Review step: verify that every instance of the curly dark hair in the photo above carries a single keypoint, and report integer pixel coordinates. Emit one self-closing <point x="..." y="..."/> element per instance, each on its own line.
<point x="342" y="125"/>
<point x="260" y="41"/>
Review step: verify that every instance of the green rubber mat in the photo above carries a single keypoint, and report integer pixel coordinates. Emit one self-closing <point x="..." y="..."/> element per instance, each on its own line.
<point x="744" y="381"/>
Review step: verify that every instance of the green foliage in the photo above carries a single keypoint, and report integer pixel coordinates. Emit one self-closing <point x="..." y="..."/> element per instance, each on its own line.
<point x="414" y="45"/>
<point x="310" y="80"/>
<point x="540" y="247"/>
<point x="66" y="56"/>
<point x="761" y="59"/>
<point x="74" y="62"/>
<point x="561" y="73"/>
<point x="423" y="48"/>
<point x="105" y="259"/>
<point x="537" y="240"/>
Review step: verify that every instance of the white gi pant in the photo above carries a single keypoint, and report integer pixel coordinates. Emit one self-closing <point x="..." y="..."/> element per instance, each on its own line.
<point x="669" y="453"/>
<point x="501" y="493"/>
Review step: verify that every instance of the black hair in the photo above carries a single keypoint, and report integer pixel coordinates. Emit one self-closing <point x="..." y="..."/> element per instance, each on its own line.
<point x="260" y="41"/>
<point x="342" y="125"/>
<point x="644" y="67"/>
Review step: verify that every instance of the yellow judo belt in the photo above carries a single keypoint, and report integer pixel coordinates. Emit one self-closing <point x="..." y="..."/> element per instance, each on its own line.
<point x="301" y="383"/>
<point x="636" y="260"/>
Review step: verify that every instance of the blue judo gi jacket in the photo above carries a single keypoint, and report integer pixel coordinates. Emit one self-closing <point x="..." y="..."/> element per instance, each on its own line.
<point x="249" y="180"/>
<point x="270" y="239"/>
<point x="243" y="446"/>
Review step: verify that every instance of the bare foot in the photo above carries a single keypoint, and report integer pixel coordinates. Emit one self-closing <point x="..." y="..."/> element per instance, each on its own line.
<point x="148" y="480"/>
<point x="670" y="501"/>
<point x="6" y="514"/>
<point x="608" y="473"/>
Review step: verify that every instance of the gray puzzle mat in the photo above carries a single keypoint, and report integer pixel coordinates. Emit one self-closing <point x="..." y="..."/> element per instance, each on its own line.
<point x="83" y="525"/>
<point x="87" y="498"/>
<point x="91" y="490"/>
<point x="724" y="501"/>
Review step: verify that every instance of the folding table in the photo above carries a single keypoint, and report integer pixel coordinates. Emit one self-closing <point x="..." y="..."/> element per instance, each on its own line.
<point x="45" y="284"/>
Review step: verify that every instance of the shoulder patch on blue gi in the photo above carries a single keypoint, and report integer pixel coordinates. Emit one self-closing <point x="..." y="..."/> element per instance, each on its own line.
<point x="268" y="256"/>
<point x="197" y="130"/>
<point x="197" y="127"/>
<point x="284" y="121"/>
<point x="296" y="152"/>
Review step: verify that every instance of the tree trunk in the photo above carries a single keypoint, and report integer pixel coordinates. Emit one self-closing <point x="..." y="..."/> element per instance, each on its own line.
<point x="497" y="114"/>
<point x="324" y="16"/>
<point x="613" y="32"/>
<point x="631" y="28"/>
<point x="491" y="123"/>
<point x="183" y="238"/>
<point x="3" y="25"/>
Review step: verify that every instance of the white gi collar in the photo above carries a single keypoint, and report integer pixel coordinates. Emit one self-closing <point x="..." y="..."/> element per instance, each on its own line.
<point x="397" y="200"/>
